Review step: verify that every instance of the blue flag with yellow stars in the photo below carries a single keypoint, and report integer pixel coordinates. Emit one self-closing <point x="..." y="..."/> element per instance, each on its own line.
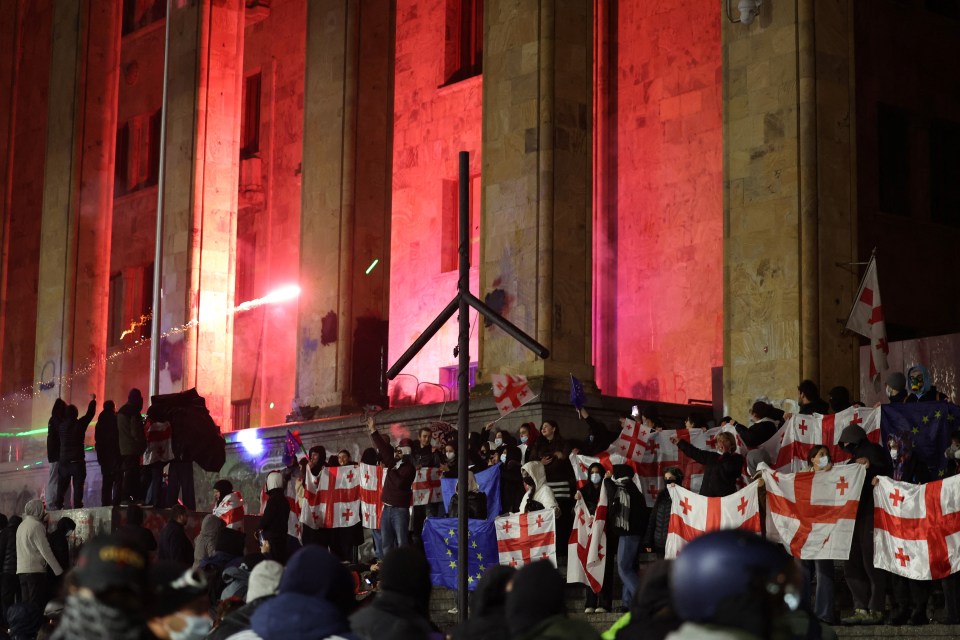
<point x="440" y="545"/>
<point x="926" y="428"/>
<point x="489" y="482"/>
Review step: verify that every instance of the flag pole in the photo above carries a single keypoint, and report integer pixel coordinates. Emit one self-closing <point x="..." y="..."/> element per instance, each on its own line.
<point x="863" y="281"/>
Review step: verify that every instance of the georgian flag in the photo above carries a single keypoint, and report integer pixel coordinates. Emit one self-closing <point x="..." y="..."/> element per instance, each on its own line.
<point x="587" y="548"/>
<point x="510" y="392"/>
<point x="917" y="528"/>
<point x="290" y="492"/>
<point x="812" y="514"/>
<point x="372" y="477"/>
<point x="801" y="432"/>
<point x="331" y="499"/>
<point x="523" y="538"/>
<point x="230" y="510"/>
<point x="426" y="486"/>
<point x="159" y="443"/>
<point x="866" y="318"/>
<point x="692" y="515"/>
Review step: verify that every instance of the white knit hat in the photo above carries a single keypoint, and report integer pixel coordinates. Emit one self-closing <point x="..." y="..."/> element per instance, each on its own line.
<point x="264" y="580"/>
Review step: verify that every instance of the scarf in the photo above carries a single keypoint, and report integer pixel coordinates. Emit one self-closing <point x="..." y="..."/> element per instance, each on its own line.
<point x="623" y="498"/>
<point x="88" y="618"/>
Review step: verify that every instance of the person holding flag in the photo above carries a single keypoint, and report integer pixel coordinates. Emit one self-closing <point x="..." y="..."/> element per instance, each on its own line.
<point x="397" y="489"/>
<point x="590" y="494"/>
<point x="553" y="452"/>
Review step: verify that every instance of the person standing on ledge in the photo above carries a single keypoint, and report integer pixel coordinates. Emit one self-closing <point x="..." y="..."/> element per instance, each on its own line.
<point x="397" y="489"/>
<point x="133" y="442"/>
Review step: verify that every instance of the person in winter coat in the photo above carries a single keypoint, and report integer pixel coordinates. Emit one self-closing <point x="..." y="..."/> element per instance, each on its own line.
<point x="401" y="610"/>
<point x="553" y="451"/>
<point x="261" y="588"/>
<point x="536" y="608"/>
<point x="762" y="428"/>
<point x="590" y="494"/>
<point x="397" y="490"/>
<point x="276" y="518"/>
<point x="175" y="545"/>
<point x="59" y="540"/>
<point x="896" y="387"/>
<point x="476" y="500"/>
<point x="488" y="606"/>
<point x="206" y="543"/>
<point x="655" y="535"/>
<point x="511" y="479"/>
<point x="824" y="600"/>
<point x="599" y="438"/>
<point x="34" y="555"/>
<point x="526" y="436"/>
<point x="107" y="446"/>
<point x="722" y="468"/>
<point x="9" y="584"/>
<point x="921" y="386"/>
<point x="134" y="531"/>
<point x="627" y="517"/>
<point x="133" y="442"/>
<point x="72" y="466"/>
<point x="867" y="583"/>
<point x="538" y="494"/>
<point x="57" y="414"/>
<point x="651" y="612"/>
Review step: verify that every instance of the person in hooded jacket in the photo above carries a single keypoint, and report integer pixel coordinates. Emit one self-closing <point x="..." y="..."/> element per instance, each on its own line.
<point x="627" y="515"/>
<point x="476" y="500"/>
<point x="275" y="519"/>
<point x="590" y="494"/>
<point x="655" y="535"/>
<point x="107" y="446"/>
<point x="34" y="555"/>
<point x="537" y="493"/>
<point x="599" y="438"/>
<point x="262" y="586"/>
<point x="57" y="414"/>
<point x="487" y="607"/>
<point x="921" y="386"/>
<point x="867" y="583"/>
<point x="133" y="442"/>
<point x="896" y="388"/>
<point x="205" y="544"/>
<point x="511" y="479"/>
<point x="553" y="451"/>
<point x="73" y="467"/>
<point x="59" y="540"/>
<point x="401" y="610"/>
<point x="536" y="608"/>
<point x="9" y="584"/>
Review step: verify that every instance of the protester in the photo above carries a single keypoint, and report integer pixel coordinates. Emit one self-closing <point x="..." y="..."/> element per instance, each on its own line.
<point x="762" y="428"/>
<point x="175" y="545"/>
<point x="896" y="388"/>
<point x="57" y="415"/>
<point x="134" y="531"/>
<point x="133" y="442"/>
<point x="275" y="519"/>
<point x="261" y="588"/>
<point x="180" y="603"/>
<point x="180" y="472"/>
<point x="536" y="609"/>
<point x="9" y="583"/>
<point x="72" y="467"/>
<point x="60" y="540"/>
<point x="369" y="456"/>
<point x="476" y="500"/>
<point x="721" y="468"/>
<point x="733" y="585"/>
<point x="107" y="446"/>
<point x="109" y="594"/>
<point x="424" y="456"/>
<point x="553" y="452"/>
<point x="810" y="401"/>
<point x="397" y="492"/>
<point x="655" y="535"/>
<point x="511" y="479"/>
<point x="867" y="583"/>
<point x="311" y="467"/>
<point x="650" y="418"/>
<point x="590" y="494"/>
<point x="488" y="607"/>
<point x="228" y="504"/>
<point x="401" y="610"/>
<point x="344" y="458"/>
<point x="628" y="515"/>
<point x="538" y="495"/>
<point x="599" y="438"/>
<point x="206" y="543"/>
<point x="839" y="399"/>
<point x="34" y="555"/>
<point x="921" y="386"/>
<point x="652" y="615"/>
<point x="818" y="461"/>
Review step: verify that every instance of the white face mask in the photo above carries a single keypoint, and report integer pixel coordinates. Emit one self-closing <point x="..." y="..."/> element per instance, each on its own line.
<point x="893" y="453"/>
<point x="497" y="442"/>
<point x="823" y="462"/>
<point x="197" y="628"/>
<point x="523" y="439"/>
<point x="451" y="455"/>
<point x="503" y="458"/>
<point x="595" y="478"/>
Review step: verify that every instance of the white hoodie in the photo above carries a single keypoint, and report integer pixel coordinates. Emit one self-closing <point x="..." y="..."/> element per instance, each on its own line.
<point x="543" y="493"/>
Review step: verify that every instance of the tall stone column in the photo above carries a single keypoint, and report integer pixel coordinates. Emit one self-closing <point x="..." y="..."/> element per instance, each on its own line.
<point x="789" y="201"/>
<point x="201" y="173"/>
<point x="536" y="180"/>
<point x="345" y="213"/>
<point x="77" y="201"/>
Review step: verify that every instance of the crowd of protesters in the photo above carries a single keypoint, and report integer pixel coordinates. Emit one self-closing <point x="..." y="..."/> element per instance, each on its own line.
<point x="324" y="585"/>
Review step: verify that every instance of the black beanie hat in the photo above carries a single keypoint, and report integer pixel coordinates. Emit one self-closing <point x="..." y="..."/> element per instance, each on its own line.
<point x="537" y="594"/>
<point x="225" y="487"/>
<point x="405" y="570"/>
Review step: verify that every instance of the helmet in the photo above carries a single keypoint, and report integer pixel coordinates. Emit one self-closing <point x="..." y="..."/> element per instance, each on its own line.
<point x="719" y="566"/>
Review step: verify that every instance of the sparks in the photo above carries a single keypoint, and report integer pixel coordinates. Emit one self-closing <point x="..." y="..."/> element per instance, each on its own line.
<point x="287" y="292"/>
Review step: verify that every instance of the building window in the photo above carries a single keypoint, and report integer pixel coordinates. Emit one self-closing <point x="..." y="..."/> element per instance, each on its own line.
<point x="449" y="247"/>
<point x="240" y="414"/>
<point x="945" y="172"/>
<point x="138" y="14"/>
<point x="244" y="281"/>
<point x="448" y="379"/>
<point x="893" y="136"/>
<point x="250" y="117"/>
<point x="463" y="56"/>
<point x="115" y="323"/>
<point x="137" y="162"/>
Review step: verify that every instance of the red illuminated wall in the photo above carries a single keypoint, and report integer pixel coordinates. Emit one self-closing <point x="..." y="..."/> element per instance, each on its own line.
<point x="431" y="126"/>
<point x="668" y="245"/>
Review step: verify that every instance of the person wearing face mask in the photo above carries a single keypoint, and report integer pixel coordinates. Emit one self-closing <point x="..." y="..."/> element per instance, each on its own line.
<point x="896" y="388"/>
<point x="627" y="515"/>
<point x="818" y="460"/>
<point x="180" y="603"/>
<point x="590" y="494"/>
<point x="655" y="536"/>
<point x="921" y="386"/>
<point x="867" y="583"/>
<point x="721" y="468"/>
<point x="511" y="480"/>
<point x="528" y="434"/>
<point x="449" y="467"/>
<point x="553" y="452"/>
<point x="537" y="493"/>
<point x="397" y="492"/>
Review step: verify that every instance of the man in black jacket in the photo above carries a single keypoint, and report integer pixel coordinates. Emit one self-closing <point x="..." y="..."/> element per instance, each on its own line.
<point x="721" y="468"/>
<point x="57" y="414"/>
<point x="73" y="468"/>
<point x="107" y="445"/>
<point x="627" y="518"/>
<point x="397" y="491"/>
<point x="762" y="428"/>
<point x="867" y="583"/>
<point x="174" y="543"/>
<point x="810" y="400"/>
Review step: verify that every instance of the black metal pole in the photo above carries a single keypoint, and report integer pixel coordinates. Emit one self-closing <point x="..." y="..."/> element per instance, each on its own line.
<point x="510" y="329"/>
<point x="463" y="385"/>
<point x="424" y="338"/>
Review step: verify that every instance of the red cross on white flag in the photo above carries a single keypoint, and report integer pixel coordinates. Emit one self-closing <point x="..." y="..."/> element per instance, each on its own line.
<point x="587" y="547"/>
<point x="525" y="537"/>
<point x="510" y="392"/>
<point x="789" y="448"/>
<point x="866" y="318"/>
<point x="692" y="515"/>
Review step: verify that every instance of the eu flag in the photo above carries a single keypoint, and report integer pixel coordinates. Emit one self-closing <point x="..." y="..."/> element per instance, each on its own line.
<point x="489" y="482"/>
<point x="440" y="545"/>
<point x="577" y="397"/>
<point x="927" y="425"/>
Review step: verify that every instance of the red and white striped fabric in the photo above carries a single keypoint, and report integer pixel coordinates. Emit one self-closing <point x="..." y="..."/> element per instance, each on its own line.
<point x="692" y="515"/>
<point x="917" y="528"/>
<point x="812" y="514"/>
<point x="587" y="548"/>
<point x="525" y="537"/>
<point x="801" y="432"/>
<point x="581" y="467"/>
<point x="159" y="443"/>
<point x="331" y="499"/>
<point x="371" y="502"/>
<point x="426" y="486"/>
<point x="230" y="510"/>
